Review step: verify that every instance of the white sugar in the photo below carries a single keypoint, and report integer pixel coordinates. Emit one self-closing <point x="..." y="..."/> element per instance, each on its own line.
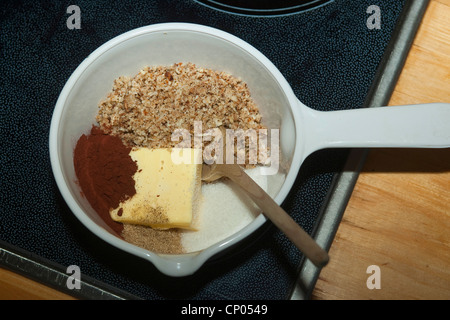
<point x="226" y="209"/>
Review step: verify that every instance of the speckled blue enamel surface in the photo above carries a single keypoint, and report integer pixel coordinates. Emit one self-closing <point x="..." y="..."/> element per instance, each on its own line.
<point x="328" y="55"/>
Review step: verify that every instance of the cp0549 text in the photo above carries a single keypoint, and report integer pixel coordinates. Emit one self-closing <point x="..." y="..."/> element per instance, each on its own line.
<point x="235" y="309"/>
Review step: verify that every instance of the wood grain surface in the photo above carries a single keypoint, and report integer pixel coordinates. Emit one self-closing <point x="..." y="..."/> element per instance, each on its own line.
<point x="398" y="217"/>
<point x="16" y="287"/>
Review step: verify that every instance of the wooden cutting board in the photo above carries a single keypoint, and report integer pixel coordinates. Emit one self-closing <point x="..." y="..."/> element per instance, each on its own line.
<point x="398" y="217"/>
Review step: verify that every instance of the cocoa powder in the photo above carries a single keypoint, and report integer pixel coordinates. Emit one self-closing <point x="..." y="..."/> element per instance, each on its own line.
<point x="104" y="170"/>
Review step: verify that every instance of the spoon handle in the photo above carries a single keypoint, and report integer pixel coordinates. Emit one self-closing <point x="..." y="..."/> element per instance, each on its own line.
<point x="302" y="240"/>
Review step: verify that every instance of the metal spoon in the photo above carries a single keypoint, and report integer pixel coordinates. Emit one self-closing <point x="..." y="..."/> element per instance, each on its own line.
<point x="302" y="240"/>
<point x="270" y="208"/>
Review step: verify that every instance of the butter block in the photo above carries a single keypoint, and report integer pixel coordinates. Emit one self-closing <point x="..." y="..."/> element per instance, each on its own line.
<point x="168" y="192"/>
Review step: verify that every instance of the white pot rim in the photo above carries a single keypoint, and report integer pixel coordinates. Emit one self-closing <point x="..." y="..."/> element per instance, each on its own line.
<point x="172" y="265"/>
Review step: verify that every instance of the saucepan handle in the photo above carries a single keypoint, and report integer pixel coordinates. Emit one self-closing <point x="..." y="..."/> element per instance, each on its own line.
<point x="409" y="126"/>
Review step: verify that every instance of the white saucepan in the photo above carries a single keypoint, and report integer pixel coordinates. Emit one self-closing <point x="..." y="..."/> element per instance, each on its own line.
<point x="302" y="130"/>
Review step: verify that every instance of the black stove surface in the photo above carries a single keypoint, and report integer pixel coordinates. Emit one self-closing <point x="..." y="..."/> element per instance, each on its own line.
<point x="327" y="51"/>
